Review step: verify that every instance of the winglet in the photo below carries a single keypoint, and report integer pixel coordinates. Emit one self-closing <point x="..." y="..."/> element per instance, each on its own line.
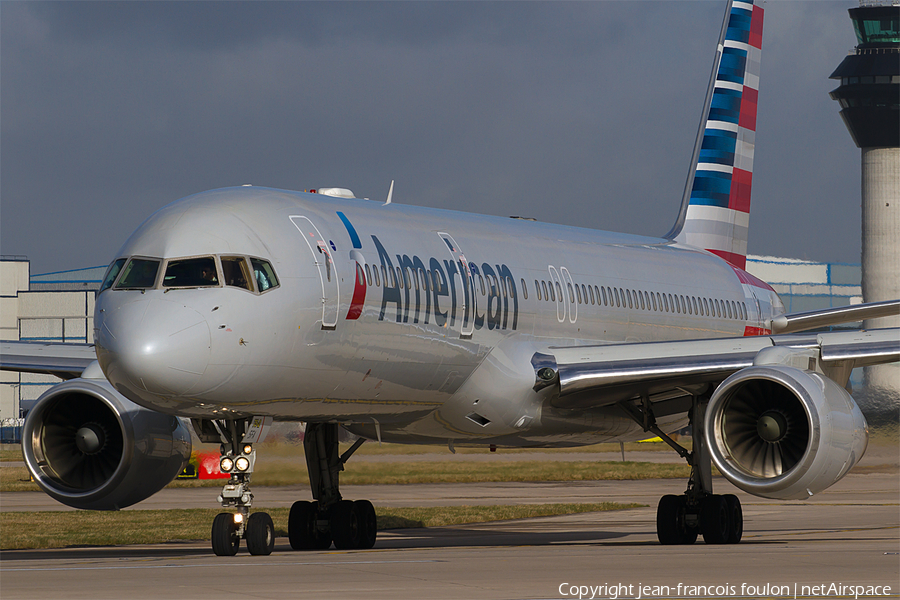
<point x="390" y="193"/>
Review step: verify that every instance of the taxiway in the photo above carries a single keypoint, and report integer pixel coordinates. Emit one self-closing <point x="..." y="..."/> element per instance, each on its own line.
<point x="848" y="535"/>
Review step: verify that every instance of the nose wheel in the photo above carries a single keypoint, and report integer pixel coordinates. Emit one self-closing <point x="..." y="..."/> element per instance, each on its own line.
<point x="237" y="458"/>
<point x="260" y="534"/>
<point x="225" y="537"/>
<point x="228" y="529"/>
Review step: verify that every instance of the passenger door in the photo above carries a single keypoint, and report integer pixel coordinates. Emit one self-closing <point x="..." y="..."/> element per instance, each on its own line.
<point x="326" y="266"/>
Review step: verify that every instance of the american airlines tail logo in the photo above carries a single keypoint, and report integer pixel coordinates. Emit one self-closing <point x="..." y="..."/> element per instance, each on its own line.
<point x="718" y="215"/>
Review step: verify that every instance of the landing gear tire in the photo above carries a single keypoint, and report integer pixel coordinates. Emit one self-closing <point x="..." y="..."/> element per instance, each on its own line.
<point x="670" y="523"/>
<point x="715" y="519"/>
<point x="368" y="524"/>
<point x="736" y="518"/>
<point x="260" y="534"/>
<point x="667" y="520"/>
<point x="302" y="530"/>
<point x="302" y="525"/>
<point x="345" y="525"/>
<point x="225" y="541"/>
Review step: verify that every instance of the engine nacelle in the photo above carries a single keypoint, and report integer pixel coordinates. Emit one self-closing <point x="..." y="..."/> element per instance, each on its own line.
<point x="783" y="432"/>
<point x="90" y="448"/>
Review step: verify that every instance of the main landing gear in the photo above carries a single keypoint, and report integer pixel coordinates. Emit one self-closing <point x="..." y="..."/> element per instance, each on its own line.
<point x="680" y="519"/>
<point x="329" y="518"/>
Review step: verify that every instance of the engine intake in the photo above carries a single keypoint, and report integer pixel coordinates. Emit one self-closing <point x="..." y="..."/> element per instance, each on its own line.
<point x="90" y="448"/>
<point x="783" y="432"/>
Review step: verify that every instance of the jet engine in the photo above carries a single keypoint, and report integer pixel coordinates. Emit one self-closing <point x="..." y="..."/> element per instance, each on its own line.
<point x="90" y="448"/>
<point x="783" y="432"/>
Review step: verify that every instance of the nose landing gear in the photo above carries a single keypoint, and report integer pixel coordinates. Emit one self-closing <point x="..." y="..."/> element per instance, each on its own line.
<point x="238" y="458"/>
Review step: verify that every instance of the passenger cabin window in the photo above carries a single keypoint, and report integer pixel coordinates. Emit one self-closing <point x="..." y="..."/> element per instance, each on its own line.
<point x="111" y="273"/>
<point x="191" y="272"/>
<point x="236" y="273"/>
<point x="139" y="274"/>
<point x="264" y="274"/>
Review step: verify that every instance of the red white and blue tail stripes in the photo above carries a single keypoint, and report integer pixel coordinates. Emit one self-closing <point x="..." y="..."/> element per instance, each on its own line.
<point x="718" y="213"/>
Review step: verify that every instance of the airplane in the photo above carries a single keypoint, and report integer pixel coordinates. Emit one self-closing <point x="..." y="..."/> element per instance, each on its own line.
<point x="233" y="308"/>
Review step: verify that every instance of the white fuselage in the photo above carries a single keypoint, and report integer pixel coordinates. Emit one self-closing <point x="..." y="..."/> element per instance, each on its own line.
<point x="397" y="320"/>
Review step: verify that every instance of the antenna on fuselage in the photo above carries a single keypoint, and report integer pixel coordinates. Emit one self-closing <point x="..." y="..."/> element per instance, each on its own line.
<point x="390" y="193"/>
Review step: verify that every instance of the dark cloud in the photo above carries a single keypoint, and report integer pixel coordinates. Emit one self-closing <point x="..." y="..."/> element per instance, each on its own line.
<point x="228" y="25"/>
<point x="574" y="112"/>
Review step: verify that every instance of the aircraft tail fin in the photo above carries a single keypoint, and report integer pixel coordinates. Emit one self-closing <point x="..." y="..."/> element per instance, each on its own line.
<point x="715" y="211"/>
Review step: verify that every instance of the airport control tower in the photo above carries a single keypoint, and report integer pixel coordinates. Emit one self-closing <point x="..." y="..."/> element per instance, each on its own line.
<point x="869" y="95"/>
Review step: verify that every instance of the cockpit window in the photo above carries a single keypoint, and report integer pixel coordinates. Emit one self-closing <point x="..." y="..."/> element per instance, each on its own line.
<point x="264" y="274"/>
<point x="111" y="273"/>
<point x="236" y="273"/>
<point x="140" y="273"/>
<point x="191" y="272"/>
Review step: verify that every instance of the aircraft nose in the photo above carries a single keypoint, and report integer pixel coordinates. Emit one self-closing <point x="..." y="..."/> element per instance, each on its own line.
<point x="156" y="345"/>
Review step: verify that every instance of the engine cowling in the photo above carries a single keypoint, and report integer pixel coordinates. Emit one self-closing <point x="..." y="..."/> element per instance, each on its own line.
<point x="90" y="448"/>
<point x="783" y="432"/>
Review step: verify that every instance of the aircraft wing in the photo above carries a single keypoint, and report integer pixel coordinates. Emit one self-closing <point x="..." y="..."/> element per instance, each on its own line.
<point x="804" y="321"/>
<point x="595" y="376"/>
<point x="66" y="361"/>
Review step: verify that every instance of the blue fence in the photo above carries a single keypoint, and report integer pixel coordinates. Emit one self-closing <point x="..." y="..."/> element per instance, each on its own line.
<point x="11" y="435"/>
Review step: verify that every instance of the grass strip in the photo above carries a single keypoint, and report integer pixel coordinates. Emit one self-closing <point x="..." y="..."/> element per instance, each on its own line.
<point x="295" y="450"/>
<point x="10" y="454"/>
<point x="281" y="473"/>
<point x="21" y="530"/>
<point x="465" y="472"/>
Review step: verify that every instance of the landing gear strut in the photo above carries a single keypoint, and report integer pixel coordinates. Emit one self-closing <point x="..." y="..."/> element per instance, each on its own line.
<point x="237" y="458"/>
<point x="315" y="525"/>
<point x="680" y="519"/>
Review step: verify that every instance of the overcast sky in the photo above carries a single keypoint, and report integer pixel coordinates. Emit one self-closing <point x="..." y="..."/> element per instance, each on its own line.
<point x="580" y="113"/>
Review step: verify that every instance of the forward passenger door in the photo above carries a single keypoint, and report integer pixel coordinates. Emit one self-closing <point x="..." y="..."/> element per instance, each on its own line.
<point x="325" y="265"/>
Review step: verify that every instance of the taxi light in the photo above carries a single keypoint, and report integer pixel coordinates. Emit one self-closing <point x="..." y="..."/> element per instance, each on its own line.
<point x="247" y="449"/>
<point x="226" y="464"/>
<point x="242" y="463"/>
<point x="238" y="518"/>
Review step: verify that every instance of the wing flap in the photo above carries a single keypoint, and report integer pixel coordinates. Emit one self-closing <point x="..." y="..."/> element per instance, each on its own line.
<point x="586" y="368"/>
<point x="862" y="348"/>
<point x="594" y="376"/>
